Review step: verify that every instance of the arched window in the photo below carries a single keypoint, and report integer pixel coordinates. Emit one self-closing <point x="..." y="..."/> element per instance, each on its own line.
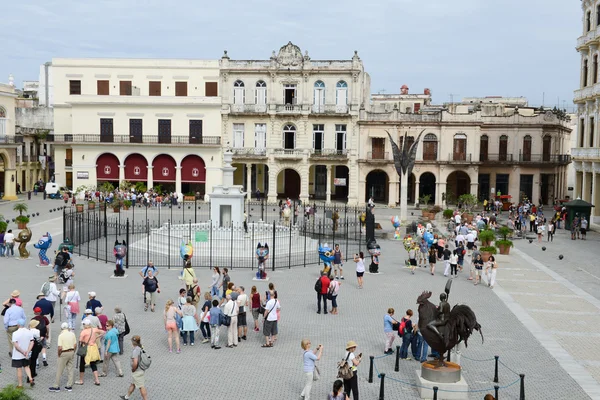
<point x="503" y="148"/>
<point x="3" y="122"/>
<point x="588" y="21"/>
<point x="289" y="137"/>
<point x="460" y="147"/>
<point x="430" y="147"/>
<point x="319" y="103"/>
<point x="527" y="148"/>
<point x="239" y="94"/>
<point x="261" y="93"/>
<point x="341" y="96"/>
<point x="483" y="148"/>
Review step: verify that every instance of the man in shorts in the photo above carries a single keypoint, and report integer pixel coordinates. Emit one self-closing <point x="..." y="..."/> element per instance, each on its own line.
<point x="423" y="250"/>
<point x="412" y="257"/>
<point x="22" y="341"/>
<point x="338" y="262"/>
<point x="137" y="373"/>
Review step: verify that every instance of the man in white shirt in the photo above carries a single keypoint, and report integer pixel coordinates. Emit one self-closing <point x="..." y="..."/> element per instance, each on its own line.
<point x="52" y="292"/>
<point x="9" y="240"/>
<point x="23" y="342"/>
<point x="270" y="327"/>
<point x="231" y="309"/>
<point x="242" y="301"/>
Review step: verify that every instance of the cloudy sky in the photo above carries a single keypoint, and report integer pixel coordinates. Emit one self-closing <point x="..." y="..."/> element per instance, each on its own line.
<point x="456" y="48"/>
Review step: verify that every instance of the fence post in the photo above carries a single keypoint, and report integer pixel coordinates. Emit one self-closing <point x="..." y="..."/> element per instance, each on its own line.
<point x="195" y="209"/>
<point x="397" y="365"/>
<point x="273" y="247"/>
<point x="105" y="221"/>
<point x="304" y="224"/>
<point x="252" y="262"/>
<point x="169" y="242"/>
<point x="496" y="388"/>
<point x="89" y="237"/>
<point x="496" y="369"/>
<point x="522" y="391"/>
<point x="435" y="390"/>
<point x="147" y="240"/>
<point x="133" y="222"/>
<point x="290" y="249"/>
<point x="319" y="261"/>
<point x="159" y="207"/>
<point x="127" y="243"/>
<point x="65" y="223"/>
<point x="382" y="387"/>
<point x="210" y="227"/>
<point x="231" y="246"/>
<point x="371" y="361"/>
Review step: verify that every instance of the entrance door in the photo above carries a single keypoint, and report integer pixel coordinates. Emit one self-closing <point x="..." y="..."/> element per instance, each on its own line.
<point x="318" y="139"/>
<point x="460" y="149"/>
<point x="484" y="186"/>
<point x="526" y="186"/>
<point x="320" y="181"/>
<point x="69" y="180"/>
<point x="68" y="158"/>
<point x="106" y="130"/>
<point x="377" y="148"/>
<point x="546" y="148"/>
<point x="135" y="131"/>
<point x="164" y="131"/>
<point x="290" y="94"/>
<point x="292" y="184"/>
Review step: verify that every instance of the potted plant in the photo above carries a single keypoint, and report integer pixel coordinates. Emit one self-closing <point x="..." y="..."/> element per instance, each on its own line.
<point x="3" y="224"/>
<point x="127" y="204"/>
<point x="11" y="392"/>
<point x="486" y="236"/>
<point x="140" y="187"/>
<point x="189" y="197"/>
<point x="22" y="220"/>
<point x="448" y="213"/>
<point x="91" y="205"/>
<point x="468" y="202"/>
<point x="79" y="207"/>
<point x="423" y="203"/>
<point x="116" y="205"/>
<point x="486" y="252"/>
<point x="504" y="244"/>
<point x="433" y="211"/>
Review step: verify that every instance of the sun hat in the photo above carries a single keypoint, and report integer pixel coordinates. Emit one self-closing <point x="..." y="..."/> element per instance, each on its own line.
<point x="15" y="293"/>
<point x="350" y="344"/>
<point x="93" y="294"/>
<point x="33" y="323"/>
<point x="52" y="278"/>
<point x="40" y="294"/>
<point x="88" y="311"/>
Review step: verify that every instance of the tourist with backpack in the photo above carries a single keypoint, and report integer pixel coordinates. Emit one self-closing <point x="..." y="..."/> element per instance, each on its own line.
<point x="347" y="370"/>
<point x="50" y="291"/>
<point x="405" y="331"/>
<point x="140" y="362"/>
<point x="322" y="288"/>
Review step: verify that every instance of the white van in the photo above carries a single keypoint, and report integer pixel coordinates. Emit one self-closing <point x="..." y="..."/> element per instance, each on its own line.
<point x="53" y="188"/>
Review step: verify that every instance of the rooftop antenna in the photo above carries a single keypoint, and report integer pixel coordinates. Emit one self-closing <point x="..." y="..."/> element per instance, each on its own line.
<point x="452" y="97"/>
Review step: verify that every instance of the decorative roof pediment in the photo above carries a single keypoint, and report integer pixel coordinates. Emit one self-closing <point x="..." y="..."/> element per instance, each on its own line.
<point x="290" y="55"/>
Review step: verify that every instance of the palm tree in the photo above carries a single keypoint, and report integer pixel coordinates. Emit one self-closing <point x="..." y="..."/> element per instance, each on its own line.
<point x="21" y="208"/>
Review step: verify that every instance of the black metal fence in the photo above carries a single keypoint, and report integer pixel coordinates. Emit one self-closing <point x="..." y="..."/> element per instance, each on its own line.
<point x="156" y="233"/>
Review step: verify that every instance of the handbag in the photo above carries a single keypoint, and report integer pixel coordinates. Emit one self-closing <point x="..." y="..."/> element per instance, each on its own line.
<point x="82" y="349"/>
<point x="395" y="325"/>
<point x="127" y="330"/>
<point x="344" y="371"/>
<point x="73" y="305"/>
<point x="316" y="374"/>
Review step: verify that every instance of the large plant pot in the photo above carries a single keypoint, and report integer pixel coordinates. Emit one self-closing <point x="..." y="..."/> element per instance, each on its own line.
<point x="102" y="206"/>
<point x="117" y="209"/>
<point x="22" y="225"/>
<point x="486" y="243"/>
<point x="504" y="249"/>
<point x="468" y="217"/>
<point x="91" y="206"/>
<point x="431" y="215"/>
<point x="485" y="255"/>
<point x="79" y="208"/>
<point x="189" y="198"/>
<point x="125" y="207"/>
<point x="424" y="213"/>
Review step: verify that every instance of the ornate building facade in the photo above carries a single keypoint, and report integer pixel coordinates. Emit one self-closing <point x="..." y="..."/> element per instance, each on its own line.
<point x="480" y="146"/>
<point x="292" y="123"/>
<point x="586" y="154"/>
<point x="8" y="142"/>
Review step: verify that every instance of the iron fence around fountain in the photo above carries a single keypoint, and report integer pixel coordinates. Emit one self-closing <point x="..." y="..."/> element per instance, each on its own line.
<point x="292" y="242"/>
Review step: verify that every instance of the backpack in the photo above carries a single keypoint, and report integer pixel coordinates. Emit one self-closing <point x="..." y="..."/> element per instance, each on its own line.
<point x="46" y="288"/>
<point x="318" y="285"/>
<point x="150" y="285"/>
<point x="192" y="292"/>
<point x="60" y="259"/>
<point x="344" y="370"/>
<point x="402" y="327"/>
<point x="63" y="278"/>
<point x="144" y="360"/>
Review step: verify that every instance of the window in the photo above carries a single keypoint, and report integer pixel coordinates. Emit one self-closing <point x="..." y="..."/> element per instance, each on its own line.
<point x="260" y="136"/>
<point x="136" y="131"/>
<point x="239" y="94"/>
<point x="238" y="136"/>
<point x="154" y="88"/>
<point x="503" y="148"/>
<point x="581" y="132"/>
<point x="74" y="87"/>
<point x="318" y="137"/>
<point x="289" y="137"/>
<point x="340" y="138"/>
<point x="164" y="131"/>
<point x="195" y="131"/>
<point x="502" y="181"/>
<point x="430" y="147"/>
<point x="416" y="107"/>
<point x="2" y="122"/>
<point x="460" y="147"/>
<point x="319" y="102"/>
<point x="585" y="72"/>
<point x="527" y="148"/>
<point x="409" y="142"/>
<point x="598" y="15"/>
<point x="378" y="149"/>
<point x="546" y="148"/>
<point x="588" y="21"/>
<point x="595" y="69"/>
<point x="341" y="96"/>
<point x="483" y="148"/>
<point x="125" y="88"/>
<point x="181" y="89"/>
<point x="289" y="94"/>
<point x="261" y="93"/>
<point x="592" y="129"/>
<point x="106" y="130"/>
<point x="211" y="89"/>
<point x="103" y="88"/>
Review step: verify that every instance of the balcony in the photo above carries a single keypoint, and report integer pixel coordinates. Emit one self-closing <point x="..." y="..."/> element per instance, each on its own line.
<point x="288" y="108"/>
<point x="11" y="139"/>
<point x="91" y="99"/>
<point x="328" y="154"/>
<point x="252" y="152"/>
<point x="329" y="109"/>
<point x="459" y="158"/>
<point x="584" y="40"/>
<point x="586" y="153"/>
<point x="495" y="158"/>
<point x="145" y="139"/>
<point x="288" y="154"/>
<point x="68" y="162"/>
<point x="561" y="159"/>
<point x="248" y="108"/>
<point x="377" y="157"/>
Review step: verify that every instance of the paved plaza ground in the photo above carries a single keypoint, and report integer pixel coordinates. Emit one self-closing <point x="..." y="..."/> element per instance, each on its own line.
<point x="542" y="319"/>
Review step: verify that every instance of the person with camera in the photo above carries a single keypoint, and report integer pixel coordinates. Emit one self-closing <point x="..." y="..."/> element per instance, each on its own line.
<point x="311" y="373"/>
<point x="351" y="385"/>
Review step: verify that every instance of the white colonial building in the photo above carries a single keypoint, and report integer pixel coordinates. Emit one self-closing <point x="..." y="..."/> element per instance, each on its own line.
<point x="480" y="146"/>
<point x="292" y="124"/>
<point x="8" y="142"/>
<point x="586" y="154"/>
<point x="152" y="121"/>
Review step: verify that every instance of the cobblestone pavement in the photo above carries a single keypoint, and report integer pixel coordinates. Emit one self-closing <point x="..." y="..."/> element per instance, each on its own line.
<point x="275" y="373"/>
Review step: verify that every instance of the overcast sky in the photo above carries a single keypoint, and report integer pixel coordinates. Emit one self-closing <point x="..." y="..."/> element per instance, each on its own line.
<point x="459" y="47"/>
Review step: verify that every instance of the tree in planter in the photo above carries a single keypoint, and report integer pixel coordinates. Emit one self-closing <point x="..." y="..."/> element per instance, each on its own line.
<point x="22" y="220"/>
<point x="486" y="236"/>
<point x="140" y="187"/>
<point x="127" y="204"/>
<point x="125" y="185"/>
<point x="106" y="187"/>
<point x="468" y="202"/>
<point x="504" y="244"/>
<point x="487" y="251"/>
<point x="116" y="204"/>
<point x="3" y="223"/>
<point x="423" y="201"/>
<point x="448" y="213"/>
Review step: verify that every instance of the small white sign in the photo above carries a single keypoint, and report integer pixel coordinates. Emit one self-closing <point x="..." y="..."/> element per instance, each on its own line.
<point x="339" y="182"/>
<point x="83" y="175"/>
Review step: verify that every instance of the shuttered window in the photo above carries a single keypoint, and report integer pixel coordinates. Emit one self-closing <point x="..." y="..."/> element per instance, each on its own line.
<point x="103" y="88"/>
<point x="125" y="88"/>
<point x="154" y="88"/>
<point x="211" y="89"/>
<point x="181" y="88"/>
<point x="74" y="87"/>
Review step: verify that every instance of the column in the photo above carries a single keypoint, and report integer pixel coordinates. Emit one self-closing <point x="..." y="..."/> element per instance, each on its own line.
<point x="248" y="181"/>
<point x="304" y="186"/>
<point x="150" y="183"/>
<point x="328" y="187"/>
<point x="596" y="199"/>
<point x="10" y="186"/>
<point x="587" y="188"/>
<point x="475" y="189"/>
<point x="354" y="187"/>
<point x="272" y="193"/>
<point x="416" y="194"/>
<point x="581" y="193"/>
<point x="121" y="174"/>
<point x="178" y="180"/>
<point x="393" y="193"/>
<point x="440" y="191"/>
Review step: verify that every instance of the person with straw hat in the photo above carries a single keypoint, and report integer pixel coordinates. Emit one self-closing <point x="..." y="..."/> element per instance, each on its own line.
<point x="353" y="360"/>
<point x="37" y="346"/>
<point x="67" y="345"/>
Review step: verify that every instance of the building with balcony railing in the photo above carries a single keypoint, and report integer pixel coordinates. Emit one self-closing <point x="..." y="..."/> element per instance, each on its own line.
<point x="291" y="122"/>
<point x="154" y="122"/>
<point x="477" y="146"/>
<point x="8" y="142"/>
<point x="586" y="157"/>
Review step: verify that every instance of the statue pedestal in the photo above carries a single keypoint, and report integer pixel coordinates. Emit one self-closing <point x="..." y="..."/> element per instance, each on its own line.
<point x="118" y="277"/>
<point x="445" y="378"/>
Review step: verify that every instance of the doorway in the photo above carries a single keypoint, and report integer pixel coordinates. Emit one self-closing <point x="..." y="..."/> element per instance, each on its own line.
<point x="289" y="94"/>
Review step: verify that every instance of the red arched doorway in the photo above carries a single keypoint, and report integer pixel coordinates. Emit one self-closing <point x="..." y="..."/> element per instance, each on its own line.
<point x="193" y="175"/>
<point x="136" y="168"/>
<point x="107" y="169"/>
<point x="163" y="172"/>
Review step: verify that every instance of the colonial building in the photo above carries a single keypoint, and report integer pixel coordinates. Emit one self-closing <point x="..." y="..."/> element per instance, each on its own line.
<point x="480" y="146"/>
<point x="8" y="142"/>
<point x="292" y="123"/>
<point x="157" y="122"/>
<point x="586" y="154"/>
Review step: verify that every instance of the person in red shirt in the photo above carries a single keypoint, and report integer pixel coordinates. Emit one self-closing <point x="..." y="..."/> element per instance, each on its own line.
<point x="322" y="294"/>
